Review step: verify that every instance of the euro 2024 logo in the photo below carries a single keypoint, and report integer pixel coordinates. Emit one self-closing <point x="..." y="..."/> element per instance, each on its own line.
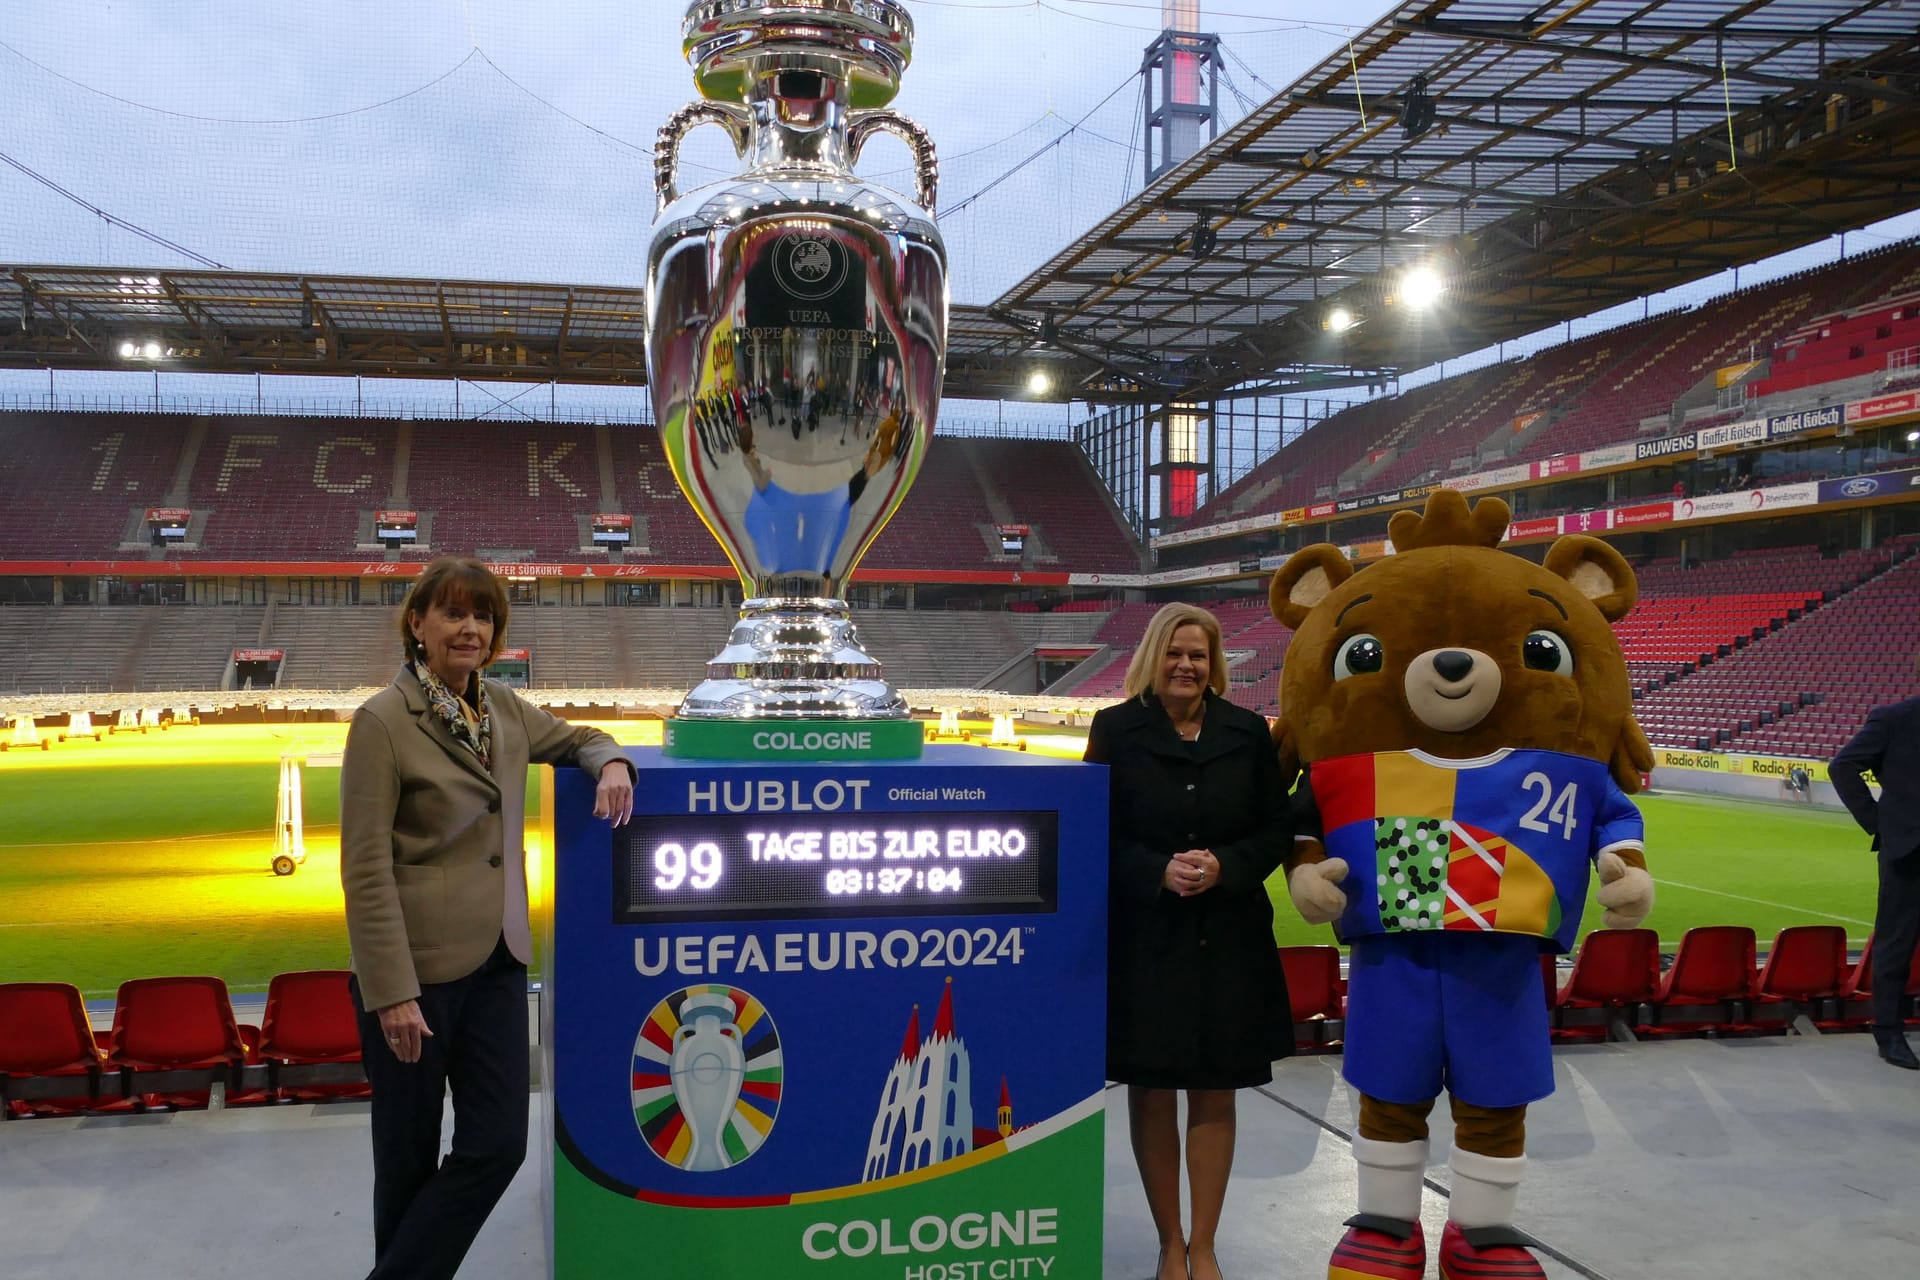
<point x="707" y="1073"/>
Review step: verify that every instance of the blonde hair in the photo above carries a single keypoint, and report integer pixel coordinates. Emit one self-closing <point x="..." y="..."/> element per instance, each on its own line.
<point x="1143" y="673"/>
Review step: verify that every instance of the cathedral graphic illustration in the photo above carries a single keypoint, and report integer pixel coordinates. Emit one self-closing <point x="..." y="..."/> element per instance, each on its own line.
<point x="926" y="1105"/>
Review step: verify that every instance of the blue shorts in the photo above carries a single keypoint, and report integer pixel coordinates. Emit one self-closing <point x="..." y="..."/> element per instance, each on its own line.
<point x="1428" y="1012"/>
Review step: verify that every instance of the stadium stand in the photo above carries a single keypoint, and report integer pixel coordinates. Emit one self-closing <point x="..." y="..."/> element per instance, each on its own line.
<point x="300" y="488"/>
<point x="1050" y="487"/>
<point x="77" y="484"/>
<point x="275" y="489"/>
<point x="1590" y="392"/>
<point x="944" y="521"/>
<point x="507" y="492"/>
<point x="666" y="529"/>
<point x="120" y="647"/>
<point x="1787" y="694"/>
<point x="339" y="647"/>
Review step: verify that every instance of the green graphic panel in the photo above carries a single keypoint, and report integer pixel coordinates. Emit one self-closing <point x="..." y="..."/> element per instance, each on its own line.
<point x="1033" y="1214"/>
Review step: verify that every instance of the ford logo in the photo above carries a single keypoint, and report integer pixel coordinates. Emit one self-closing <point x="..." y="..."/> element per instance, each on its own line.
<point x="1860" y="487"/>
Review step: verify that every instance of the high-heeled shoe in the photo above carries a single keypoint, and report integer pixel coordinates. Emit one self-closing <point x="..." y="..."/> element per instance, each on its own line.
<point x="1216" y="1264"/>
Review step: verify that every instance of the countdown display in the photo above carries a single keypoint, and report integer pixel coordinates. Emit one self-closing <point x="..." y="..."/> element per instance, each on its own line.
<point x="766" y="866"/>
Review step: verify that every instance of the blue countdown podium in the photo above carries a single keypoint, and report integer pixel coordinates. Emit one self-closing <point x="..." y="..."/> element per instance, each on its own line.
<point x="835" y="1020"/>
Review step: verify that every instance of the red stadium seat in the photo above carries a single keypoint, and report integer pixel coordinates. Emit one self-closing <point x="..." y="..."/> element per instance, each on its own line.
<point x="181" y="1029"/>
<point x="1614" y="972"/>
<point x="44" y="1032"/>
<point x="1856" y="992"/>
<point x="1806" y="967"/>
<point x="1710" y="986"/>
<point x="1317" y="994"/>
<point x="310" y="1020"/>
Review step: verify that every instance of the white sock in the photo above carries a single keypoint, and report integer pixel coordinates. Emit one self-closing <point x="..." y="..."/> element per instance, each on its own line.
<point x="1390" y="1177"/>
<point x="1484" y="1188"/>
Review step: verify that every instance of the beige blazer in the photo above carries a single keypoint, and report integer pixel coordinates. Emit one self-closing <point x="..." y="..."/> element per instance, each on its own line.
<point x="426" y="834"/>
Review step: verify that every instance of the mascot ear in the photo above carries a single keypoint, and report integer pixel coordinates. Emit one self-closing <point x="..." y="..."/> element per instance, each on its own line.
<point x="1597" y="572"/>
<point x="1305" y="580"/>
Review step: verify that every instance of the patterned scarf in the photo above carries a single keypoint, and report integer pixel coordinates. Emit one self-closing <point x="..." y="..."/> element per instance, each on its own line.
<point x="454" y="713"/>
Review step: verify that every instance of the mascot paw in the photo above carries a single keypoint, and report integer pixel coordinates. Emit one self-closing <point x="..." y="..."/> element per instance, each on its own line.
<point x="1315" y="890"/>
<point x="1626" y="893"/>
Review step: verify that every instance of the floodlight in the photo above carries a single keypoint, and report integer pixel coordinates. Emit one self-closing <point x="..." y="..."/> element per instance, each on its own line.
<point x="128" y="351"/>
<point x="1422" y="287"/>
<point x="151" y="351"/>
<point x="1913" y="436"/>
<point x="1039" y="382"/>
<point x="1339" y="320"/>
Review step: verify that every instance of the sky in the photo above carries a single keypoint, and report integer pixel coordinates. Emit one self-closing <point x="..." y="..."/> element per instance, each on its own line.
<point x="496" y="140"/>
<point x="477" y="138"/>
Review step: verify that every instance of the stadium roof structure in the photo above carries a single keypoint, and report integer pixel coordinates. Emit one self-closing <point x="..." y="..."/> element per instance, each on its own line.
<point x="201" y="320"/>
<point x="1548" y="159"/>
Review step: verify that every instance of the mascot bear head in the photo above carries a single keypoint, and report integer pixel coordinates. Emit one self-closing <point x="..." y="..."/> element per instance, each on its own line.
<point x="1456" y="648"/>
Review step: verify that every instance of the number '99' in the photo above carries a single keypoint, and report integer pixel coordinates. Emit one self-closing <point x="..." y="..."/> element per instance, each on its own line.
<point x="674" y="866"/>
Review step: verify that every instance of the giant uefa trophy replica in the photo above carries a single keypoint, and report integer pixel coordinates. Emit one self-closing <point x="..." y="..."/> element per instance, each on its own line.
<point x="796" y="338"/>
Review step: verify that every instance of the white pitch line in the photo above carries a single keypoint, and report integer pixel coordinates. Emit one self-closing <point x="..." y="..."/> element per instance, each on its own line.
<point x="1763" y="902"/>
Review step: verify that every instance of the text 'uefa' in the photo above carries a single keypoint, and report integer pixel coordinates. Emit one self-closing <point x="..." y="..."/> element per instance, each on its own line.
<point x="827" y="951"/>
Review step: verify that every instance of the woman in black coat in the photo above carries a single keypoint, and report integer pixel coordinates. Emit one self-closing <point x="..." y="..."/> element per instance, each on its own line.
<point x="1195" y="996"/>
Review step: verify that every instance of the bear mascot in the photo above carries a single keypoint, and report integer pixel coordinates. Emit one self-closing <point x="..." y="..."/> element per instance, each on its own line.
<point x="1460" y="721"/>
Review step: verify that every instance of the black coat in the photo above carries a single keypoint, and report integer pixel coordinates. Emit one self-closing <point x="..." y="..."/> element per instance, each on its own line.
<point x="1195" y="994"/>
<point x="1888" y="745"/>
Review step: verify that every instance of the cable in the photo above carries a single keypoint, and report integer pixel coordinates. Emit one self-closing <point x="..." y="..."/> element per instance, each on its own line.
<point x="614" y="138"/>
<point x="182" y="115"/>
<point x="149" y="236"/>
<point x="1042" y="150"/>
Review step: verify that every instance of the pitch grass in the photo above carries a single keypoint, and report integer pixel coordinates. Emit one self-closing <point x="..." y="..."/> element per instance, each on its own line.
<point x="114" y="872"/>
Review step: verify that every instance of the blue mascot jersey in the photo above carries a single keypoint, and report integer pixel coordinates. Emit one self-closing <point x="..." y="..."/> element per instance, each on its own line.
<point x="1500" y="844"/>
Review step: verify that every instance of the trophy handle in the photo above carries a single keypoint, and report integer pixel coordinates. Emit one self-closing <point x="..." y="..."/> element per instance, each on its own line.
<point x="666" y="156"/>
<point x="926" y="163"/>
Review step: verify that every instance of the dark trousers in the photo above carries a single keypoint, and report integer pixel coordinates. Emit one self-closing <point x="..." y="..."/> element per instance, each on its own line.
<point x="426" y="1211"/>
<point x="1896" y="930"/>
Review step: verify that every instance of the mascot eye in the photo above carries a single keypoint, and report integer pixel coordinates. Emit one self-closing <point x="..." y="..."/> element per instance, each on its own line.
<point x="1545" y="651"/>
<point x="1359" y="656"/>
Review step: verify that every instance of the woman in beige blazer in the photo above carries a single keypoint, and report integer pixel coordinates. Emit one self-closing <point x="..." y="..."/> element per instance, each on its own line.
<point x="432" y="804"/>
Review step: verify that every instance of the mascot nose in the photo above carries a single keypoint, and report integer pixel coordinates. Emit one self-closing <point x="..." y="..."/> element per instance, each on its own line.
<point x="1454" y="665"/>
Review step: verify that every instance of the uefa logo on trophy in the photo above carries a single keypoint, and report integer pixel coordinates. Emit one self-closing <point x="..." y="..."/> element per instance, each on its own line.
<point x="707" y="1078"/>
<point x="796" y="338"/>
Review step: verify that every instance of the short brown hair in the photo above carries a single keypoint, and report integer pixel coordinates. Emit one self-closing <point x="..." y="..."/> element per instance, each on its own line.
<point x="455" y="580"/>
<point x="1143" y="673"/>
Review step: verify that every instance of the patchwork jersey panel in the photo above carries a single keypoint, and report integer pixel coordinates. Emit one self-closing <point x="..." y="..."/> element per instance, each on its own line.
<point x="1504" y="844"/>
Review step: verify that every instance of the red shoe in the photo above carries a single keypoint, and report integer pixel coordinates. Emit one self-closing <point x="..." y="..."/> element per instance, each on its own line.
<point x="1377" y="1248"/>
<point x="1486" y="1253"/>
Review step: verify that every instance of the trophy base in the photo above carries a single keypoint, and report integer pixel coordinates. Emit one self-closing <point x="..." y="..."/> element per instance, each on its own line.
<point x="801" y="741"/>
<point x="794" y="659"/>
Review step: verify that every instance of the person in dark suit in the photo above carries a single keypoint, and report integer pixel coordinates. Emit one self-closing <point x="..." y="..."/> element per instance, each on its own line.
<point x="432" y="803"/>
<point x="1196" y="999"/>
<point x="1888" y="745"/>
